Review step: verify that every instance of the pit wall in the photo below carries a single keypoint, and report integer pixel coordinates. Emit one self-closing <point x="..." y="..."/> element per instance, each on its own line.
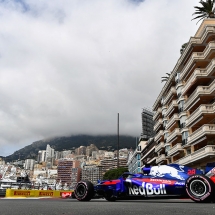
<point x="38" y="193"/>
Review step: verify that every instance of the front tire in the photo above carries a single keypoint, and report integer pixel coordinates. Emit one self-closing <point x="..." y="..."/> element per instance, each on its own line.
<point x="200" y="188"/>
<point x="84" y="191"/>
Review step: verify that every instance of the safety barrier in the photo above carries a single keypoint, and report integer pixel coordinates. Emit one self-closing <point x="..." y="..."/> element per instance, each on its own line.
<point x="2" y="192"/>
<point x="38" y="193"/>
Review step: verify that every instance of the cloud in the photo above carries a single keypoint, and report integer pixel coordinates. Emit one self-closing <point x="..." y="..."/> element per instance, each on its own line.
<point x="68" y="67"/>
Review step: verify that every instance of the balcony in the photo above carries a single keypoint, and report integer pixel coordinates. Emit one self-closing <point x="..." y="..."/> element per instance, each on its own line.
<point x="159" y="146"/>
<point x="171" y="108"/>
<point x="172" y="121"/>
<point x="158" y="113"/>
<point x="174" y="135"/>
<point x="147" y="153"/>
<point x="205" y="130"/>
<point x="205" y="152"/>
<point x="158" y="124"/>
<point x="158" y="136"/>
<point x="151" y="160"/>
<point x="200" y="90"/>
<point x="169" y="95"/>
<point x="199" y="73"/>
<point x="203" y="110"/>
<point x="195" y="57"/>
<point x="193" y="40"/>
<point x="175" y="149"/>
<point x="161" y="158"/>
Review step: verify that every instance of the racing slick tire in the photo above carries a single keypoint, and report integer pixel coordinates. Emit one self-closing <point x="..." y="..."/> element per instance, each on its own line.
<point x="109" y="196"/>
<point x="200" y="188"/>
<point x="84" y="191"/>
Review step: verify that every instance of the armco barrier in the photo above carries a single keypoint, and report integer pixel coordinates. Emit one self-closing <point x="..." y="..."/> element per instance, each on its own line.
<point x="36" y="193"/>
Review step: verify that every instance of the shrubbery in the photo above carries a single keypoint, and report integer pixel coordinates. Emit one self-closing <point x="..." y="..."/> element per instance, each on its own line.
<point x="114" y="173"/>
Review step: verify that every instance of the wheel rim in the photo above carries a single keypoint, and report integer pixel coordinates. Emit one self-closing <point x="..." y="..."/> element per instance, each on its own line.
<point x="198" y="188"/>
<point x="80" y="190"/>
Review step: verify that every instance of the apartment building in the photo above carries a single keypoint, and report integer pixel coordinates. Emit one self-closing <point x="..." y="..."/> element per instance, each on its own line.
<point x="92" y="173"/>
<point x="185" y="108"/>
<point x="148" y="153"/>
<point x="111" y="163"/>
<point x="64" y="171"/>
<point x="134" y="158"/>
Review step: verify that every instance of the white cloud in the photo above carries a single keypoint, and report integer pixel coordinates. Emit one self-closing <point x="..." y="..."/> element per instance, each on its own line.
<point x="68" y="67"/>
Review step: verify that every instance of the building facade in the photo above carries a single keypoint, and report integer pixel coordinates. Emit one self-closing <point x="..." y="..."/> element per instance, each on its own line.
<point x="64" y="171"/>
<point x="185" y="108"/>
<point x="29" y="164"/>
<point x="92" y="173"/>
<point x="134" y="158"/>
<point x="147" y="124"/>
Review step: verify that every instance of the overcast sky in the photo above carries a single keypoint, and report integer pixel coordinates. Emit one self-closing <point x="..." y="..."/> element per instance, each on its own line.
<point x="69" y="66"/>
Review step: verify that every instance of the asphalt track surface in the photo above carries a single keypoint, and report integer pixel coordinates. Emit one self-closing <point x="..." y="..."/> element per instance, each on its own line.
<point x="102" y="207"/>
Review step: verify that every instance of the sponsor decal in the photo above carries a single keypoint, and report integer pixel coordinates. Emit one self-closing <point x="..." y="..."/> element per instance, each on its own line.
<point x="180" y="183"/>
<point x="162" y="181"/>
<point x="46" y="193"/>
<point x="65" y="194"/>
<point x="191" y="172"/>
<point x="147" y="189"/>
<point x="154" y="180"/>
<point x="205" y="196"/>
<point x="160" y="171"/>
<point x="21" y="193"/>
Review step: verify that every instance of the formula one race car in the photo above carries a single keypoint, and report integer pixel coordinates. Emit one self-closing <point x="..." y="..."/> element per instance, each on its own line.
<point x="164" y="180"/>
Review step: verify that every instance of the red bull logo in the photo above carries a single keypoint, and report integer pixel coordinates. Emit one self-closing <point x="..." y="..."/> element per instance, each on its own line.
<point x="160" y="171"/>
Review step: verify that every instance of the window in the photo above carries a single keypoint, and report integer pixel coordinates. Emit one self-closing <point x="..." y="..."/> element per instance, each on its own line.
<point x="182" y="121"/>
<point x="165" y="123"/>
<point x="167" y="148"/>
<point x="184" y="137"/>
<point x="177" y="77"/>
<point x="179" y="91"/>
<point x="180" y="106"/>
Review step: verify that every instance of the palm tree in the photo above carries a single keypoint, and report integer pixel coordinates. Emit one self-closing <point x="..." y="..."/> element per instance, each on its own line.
<point x="206" y="11"/>
<point x="165" y="78"/>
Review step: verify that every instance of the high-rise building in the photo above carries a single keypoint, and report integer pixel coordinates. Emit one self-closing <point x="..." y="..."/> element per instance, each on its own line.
<point x="41" y="156"/>
<point x="90" y="149"/>
<point x="185" y="108"/>
<point x="64" y="171"/>
<point x="80" y="150"/>
<point x="147" y="124"/>
<point x="29" y="164"/>
<point x="68" y="171"/>
<point x="49" y="152"/>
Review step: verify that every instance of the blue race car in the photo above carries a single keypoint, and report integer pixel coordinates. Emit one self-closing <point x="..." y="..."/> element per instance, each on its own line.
<point x="165" y="180"/>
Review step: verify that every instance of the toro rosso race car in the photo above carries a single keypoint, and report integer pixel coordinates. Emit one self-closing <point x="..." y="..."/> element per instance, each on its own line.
<point x="164" y="180"/>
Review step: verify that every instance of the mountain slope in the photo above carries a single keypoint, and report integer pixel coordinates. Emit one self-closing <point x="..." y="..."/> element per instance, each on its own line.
<point x="108" y="142"/>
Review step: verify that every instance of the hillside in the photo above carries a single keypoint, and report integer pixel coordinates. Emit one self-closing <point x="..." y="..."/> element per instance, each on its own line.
<point x="72" y="142"/>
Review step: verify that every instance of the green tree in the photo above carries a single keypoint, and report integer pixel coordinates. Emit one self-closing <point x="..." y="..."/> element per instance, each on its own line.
<point x="165" y="78"/>
<point x="114" y="173"/>
<point x="205" y="11"/>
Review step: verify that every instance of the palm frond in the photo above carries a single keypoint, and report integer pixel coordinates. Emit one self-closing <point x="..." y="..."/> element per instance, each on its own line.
<point x="206" y="10"/>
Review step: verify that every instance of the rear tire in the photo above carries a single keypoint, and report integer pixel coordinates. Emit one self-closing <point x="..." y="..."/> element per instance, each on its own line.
<point x="200" y="188"/>
<point x="109" y="196"/>
<point x="84" y="191"/>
